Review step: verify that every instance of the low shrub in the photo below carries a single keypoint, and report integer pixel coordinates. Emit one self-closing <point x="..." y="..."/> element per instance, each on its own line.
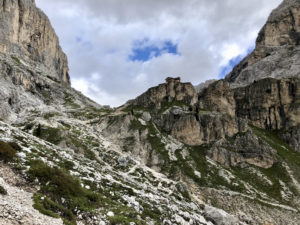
<point x="2" y="191"/>
<point x="64" y="192"/>
<point x="7" y="152"/>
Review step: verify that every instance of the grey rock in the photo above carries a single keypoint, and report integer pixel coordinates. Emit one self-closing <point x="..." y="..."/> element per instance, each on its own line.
<point x="204" y="85"/>
<point x="146" y="116"/>
<point x="244" y="149"/>
<point x="171" y="91"/>
<point x="270" y="103"/>
<point x="26" y="33"/>
<point x="219" y="217"/>
<point x="277" y="48"/>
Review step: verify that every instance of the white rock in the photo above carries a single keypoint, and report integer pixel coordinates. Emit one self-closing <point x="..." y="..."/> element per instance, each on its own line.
<point x="110" y="214"/>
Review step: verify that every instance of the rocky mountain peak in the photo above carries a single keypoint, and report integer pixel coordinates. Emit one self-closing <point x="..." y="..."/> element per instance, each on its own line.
<point x="26" y="33"/>
<point x="282" y="27"/>
<point x="173" y="90"/>
<point x="276" y="53"/>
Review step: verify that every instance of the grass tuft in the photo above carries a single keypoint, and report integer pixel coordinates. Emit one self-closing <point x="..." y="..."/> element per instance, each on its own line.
<point x="63" y="193"/>
<point x="8" y="151"/>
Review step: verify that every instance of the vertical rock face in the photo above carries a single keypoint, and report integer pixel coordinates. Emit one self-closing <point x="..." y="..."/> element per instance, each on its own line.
<point x="270" y="103"/>
<point x="26" y="33"/>
<point x="282" y="27"/>
<point x="218" y="97"/>
<point x="277" y="48"/>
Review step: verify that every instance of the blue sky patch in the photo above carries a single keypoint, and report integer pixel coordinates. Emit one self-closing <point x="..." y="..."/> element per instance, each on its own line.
<point x="232" y="63"/>
<point x="143" y="51"/>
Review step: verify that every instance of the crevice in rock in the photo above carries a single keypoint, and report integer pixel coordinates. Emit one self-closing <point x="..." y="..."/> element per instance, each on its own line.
<point x="21" y="15"/>
<point x="4" y="5"/>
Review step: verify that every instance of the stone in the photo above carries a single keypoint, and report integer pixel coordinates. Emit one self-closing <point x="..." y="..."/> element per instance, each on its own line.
<point x="244" y="149"/>
<point x="218" y="97"/>
<point x="292" y="136"/>
<point x="26" y="34"/>
<point x="171" y="91"/>
<point x="110" y="214"/>
<point x="277" y="48"/>
<point x="270" y="103"/>
<point x="146" y="116"/>
<point x="204" y="85"/>
<point x="219" y="217"/>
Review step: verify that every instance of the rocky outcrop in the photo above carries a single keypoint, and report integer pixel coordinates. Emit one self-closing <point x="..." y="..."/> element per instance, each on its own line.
<point x="203" y="85"/>
<point x="282" y="27"/>
<point x="218" y="97"/>
<point x="292" y="137"/>
<point x="194" y="120"/>
<point x="270" y="103"/>
<point x="244" y="149"/>
<point x="26" y="33"/>
<point x="277" y="48"/>
<point x="196" y="128"/>
<point x="170" y="92"/>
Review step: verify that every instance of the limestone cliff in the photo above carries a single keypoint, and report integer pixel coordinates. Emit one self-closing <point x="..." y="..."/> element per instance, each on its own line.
<point x="277" y="48"/>
<point x="26" y="33"/>
<point x="171" y="91"/>
<point x="270" y="103"/>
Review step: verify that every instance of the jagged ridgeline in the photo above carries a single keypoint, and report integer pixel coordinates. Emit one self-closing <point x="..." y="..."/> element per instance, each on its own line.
<point x="225" y="154"/>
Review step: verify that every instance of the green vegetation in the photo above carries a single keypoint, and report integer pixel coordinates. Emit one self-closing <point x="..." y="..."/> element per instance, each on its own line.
<point x="80" y="144"/>
<point x="196" y="161"/>
<point x="51" y="114"/>
<point x="91" y="113"/>
<point x="283" y="149"/>
<point x="285" y="154"/>
<point x="166" y="105"/>
<point x="55" y="136"/>
<point x="67" y="165"/>
<point x="136" y="125"/>
<point x="50" y="208"/>
<point x="17" y="60"/>
<point x="159" y="148"/>
<point x="50" y="134"/>
<point x="8" y="151"/>
<point x="2" y="191"/>
<point x="274" y="174"/>
<point x="63" y="193"/>
<point x="69" y="101"/>
<point x="125" y="217"/>
<point x="151" y="212"/>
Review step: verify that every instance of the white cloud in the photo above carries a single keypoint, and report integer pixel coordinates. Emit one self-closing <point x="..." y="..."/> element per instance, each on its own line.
<point x="98" y="37"/>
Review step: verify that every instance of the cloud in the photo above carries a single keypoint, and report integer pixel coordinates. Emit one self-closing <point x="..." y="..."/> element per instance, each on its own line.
<point x="100" y="38"/>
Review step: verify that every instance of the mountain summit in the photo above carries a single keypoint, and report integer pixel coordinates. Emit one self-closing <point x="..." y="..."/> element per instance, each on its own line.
<point x="277" y="48"/>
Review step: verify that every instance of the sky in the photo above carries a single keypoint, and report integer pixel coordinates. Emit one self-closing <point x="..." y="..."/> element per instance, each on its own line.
<point x="117" y="49"/>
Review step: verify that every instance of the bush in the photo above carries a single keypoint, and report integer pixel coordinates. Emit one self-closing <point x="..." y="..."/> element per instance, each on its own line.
<point x="50" y="134"/>
<point x="57" y="184"/>
<point x="2" y="191"/>
<point x="7" y="152"/>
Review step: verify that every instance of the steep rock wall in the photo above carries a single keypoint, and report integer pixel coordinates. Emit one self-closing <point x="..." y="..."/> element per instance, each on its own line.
<point x="26" y="33"/>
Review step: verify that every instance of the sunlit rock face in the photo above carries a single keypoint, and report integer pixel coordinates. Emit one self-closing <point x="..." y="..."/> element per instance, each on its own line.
<point x="26" y="33"/>
<point x="172" y="90"/>
<point x="277" y="48"/>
